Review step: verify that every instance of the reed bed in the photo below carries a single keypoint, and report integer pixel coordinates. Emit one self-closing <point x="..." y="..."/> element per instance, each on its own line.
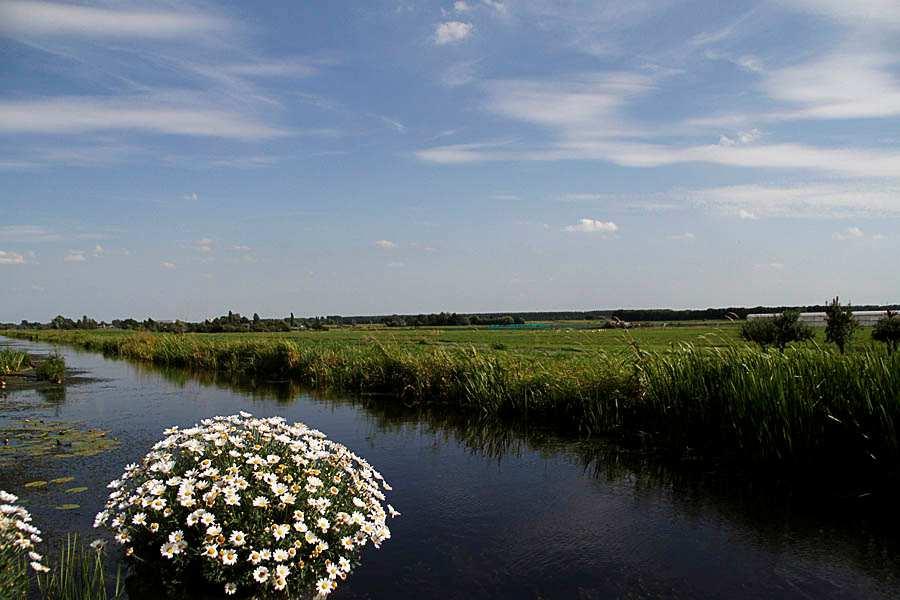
<point x="12" y="361"/>
<point x="806" y="406"/>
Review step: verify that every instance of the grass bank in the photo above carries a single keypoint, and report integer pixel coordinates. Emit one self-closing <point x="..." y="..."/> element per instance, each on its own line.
<point x="808" y="406"/>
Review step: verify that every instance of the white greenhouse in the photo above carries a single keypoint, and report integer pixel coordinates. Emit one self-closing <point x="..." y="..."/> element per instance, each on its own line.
<point x="866" y="318"/>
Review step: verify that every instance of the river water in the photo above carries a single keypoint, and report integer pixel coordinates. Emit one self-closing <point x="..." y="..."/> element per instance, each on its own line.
<point x="490" y="512"/>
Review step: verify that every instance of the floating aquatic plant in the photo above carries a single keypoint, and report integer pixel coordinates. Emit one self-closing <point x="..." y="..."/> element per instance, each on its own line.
<point x="37" y="438"/>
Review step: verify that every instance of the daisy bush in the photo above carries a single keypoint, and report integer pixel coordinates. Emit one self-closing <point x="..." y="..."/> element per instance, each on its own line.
<point x="18" y="541"/>
<point x="257" y="506"/>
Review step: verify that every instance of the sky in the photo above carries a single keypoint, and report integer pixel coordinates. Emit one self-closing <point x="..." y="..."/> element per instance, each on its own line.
<point x="183" y="159"/>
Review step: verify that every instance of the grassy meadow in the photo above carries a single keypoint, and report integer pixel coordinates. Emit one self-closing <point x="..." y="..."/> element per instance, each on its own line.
<point x="694" y="389"/>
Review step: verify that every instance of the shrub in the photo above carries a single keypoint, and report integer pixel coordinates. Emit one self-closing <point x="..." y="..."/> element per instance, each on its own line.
<point x="840" y="324"/>
<point x="887" y="331"/>
<point x="256" y="506"/>
<point x="18" y="538"/>
<point x="52" y="369"/>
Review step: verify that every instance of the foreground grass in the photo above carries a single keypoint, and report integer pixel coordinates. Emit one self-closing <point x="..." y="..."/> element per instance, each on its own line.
<point x="808" y="406"/>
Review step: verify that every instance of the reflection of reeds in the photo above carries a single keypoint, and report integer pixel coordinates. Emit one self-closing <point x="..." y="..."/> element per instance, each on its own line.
<point x="807" y="405"/>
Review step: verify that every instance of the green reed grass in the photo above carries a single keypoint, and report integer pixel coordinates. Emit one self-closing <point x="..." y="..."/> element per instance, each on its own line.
<point x="52" y="369"/>
<point x="12" y="361"/>
<point x="808" y="405"/>
<point x="79" y="572"/>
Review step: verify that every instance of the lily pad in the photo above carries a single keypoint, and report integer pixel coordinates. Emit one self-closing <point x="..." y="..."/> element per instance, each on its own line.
<point x="36" y="438"/>
<point x="76" y="490"/>
<point x="61" y="480"/>
<point x="68" y="506"/>
<point x="33" y="485"/>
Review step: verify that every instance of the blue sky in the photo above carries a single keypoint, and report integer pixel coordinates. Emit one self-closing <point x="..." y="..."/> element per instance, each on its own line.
<point x="179" y="159"/>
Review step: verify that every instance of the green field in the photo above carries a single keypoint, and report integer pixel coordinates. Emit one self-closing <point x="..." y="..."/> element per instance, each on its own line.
<point x="697" y="389"/>
<point x="568" y="341"/>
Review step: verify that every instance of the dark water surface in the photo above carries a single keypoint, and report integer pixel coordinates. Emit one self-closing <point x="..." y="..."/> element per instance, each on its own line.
<point x="492" y="513"/>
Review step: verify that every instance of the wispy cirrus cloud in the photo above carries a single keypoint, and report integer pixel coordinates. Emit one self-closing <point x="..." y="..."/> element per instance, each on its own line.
<point x="838" y="200"/>
<point x="63" y="19"/>
<point x="28" y="233"/>
<point x="874" y="163"/>
<point x="76" y="115"/>
<point x="865" y="14"/>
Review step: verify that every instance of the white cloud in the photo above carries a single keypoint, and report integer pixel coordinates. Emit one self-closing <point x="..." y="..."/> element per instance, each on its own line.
<point x="396" y="265"/>
<point x="593" y="226"/>
<point x="204" y="246"/>
<point x="451" y="32"/>
<point x="73" y="115"/>
<point x="746" y="215"/>
<point x="241" y="248"/>
<point x="850" y="233"/>
<point x="52" y="18"/>
<point x="461" y="6"/>
<point x="191" y="197"/>
<point x="167" y="265"/>
<point x="74" y="256"/>
<point x="385" y="244"/>
<point x="11" y="258"/>
<point x="742" y="137"/>
<point x="683" y="237"/>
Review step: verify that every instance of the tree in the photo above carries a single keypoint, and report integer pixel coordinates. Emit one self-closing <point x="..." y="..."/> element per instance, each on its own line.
<point x="779" y="330"/>
<point x="789" y="328"/>
<point x="759" y="331"/>
<point x="887" y="331"/>
<point x="840" y="324"/>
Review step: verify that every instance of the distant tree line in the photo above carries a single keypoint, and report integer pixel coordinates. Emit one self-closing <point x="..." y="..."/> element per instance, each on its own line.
<point x="445" y="319"/>
<point x="719" y="314"/>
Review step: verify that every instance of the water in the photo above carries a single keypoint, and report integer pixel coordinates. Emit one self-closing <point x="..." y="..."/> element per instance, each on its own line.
<point x="493" y="513"/>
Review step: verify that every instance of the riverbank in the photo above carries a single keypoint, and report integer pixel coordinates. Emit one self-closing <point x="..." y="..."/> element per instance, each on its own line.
<point x="808" y="407"/>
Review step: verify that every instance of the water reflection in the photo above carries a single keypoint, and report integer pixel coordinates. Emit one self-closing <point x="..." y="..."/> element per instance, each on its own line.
<point x="777" y="509"/>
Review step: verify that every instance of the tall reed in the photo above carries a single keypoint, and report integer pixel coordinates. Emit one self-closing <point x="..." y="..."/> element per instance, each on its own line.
<point x="79" y="573"/>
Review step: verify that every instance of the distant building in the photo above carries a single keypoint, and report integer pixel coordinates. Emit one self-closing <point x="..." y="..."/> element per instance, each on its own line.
<point x="866" y="318"/>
